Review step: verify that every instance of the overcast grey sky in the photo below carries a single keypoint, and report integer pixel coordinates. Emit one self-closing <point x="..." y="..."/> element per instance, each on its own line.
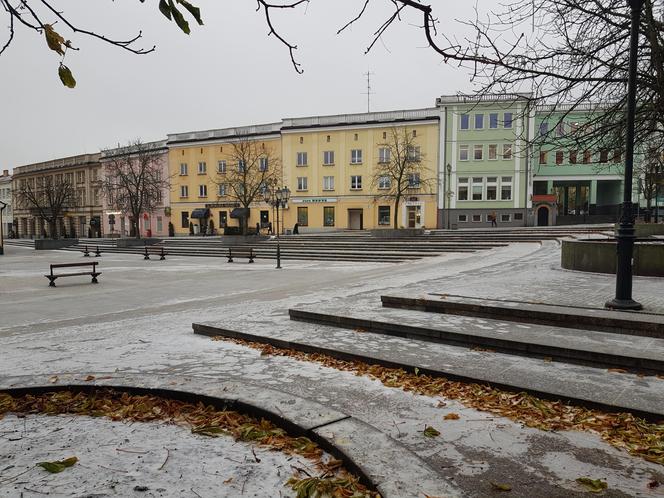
<point x="226" y="73"/>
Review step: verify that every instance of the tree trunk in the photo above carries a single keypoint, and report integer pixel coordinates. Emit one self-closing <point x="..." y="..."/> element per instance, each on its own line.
<point x="396" y="213"/>
<point x="52" y="228"/>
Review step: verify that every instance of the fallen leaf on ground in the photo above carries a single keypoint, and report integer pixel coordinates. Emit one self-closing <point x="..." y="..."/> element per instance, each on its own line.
<point x="228" y="481"/>
<point x="58" y="465"/>
<point x="53" y="379"/>
<point x="548" y="359"/>
<point x="89" y="378"/>
<point x="431" y="432"/>
<point x="617" y="370"/>
<point x="592" y="485"/>
<point x="500" y="487"/>
<point x="360" y="329"/>
<point x="452" y="416"/>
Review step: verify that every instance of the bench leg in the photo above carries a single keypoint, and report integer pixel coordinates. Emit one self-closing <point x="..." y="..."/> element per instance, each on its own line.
<point x="94" y="279"/>
<point x="51" y="282"/>
<point x="146" y="257"/>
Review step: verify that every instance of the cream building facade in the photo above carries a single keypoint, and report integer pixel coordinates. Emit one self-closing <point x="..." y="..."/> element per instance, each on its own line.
<point x="6" y="197"/>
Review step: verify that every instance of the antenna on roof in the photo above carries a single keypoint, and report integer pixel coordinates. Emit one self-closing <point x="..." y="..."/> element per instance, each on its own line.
<point x="368" y="93"/>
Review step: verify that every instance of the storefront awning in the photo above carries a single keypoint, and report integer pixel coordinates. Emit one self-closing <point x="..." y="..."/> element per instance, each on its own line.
<point x="200" y="213"/>
<point x="240" y="213"/>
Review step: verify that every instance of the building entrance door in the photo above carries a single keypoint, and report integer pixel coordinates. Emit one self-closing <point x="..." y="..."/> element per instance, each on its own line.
<point x="414" y="216"/>
<point x="355" y="219"/>
<point x="542" y="217"/>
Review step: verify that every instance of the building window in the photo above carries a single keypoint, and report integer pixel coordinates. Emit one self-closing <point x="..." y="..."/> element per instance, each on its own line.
<point x="241" y="166"/>
<point x="507" y="151"/>
<point x="477" y="218"/>
<point x="222" y="189"/>
<point x="463" y="218"/>
<point x="202" y="168"/>
<point x="414" y="133"/>
<point x="202" y="191"/>
<point x="479" y="121"/>
<point x="301" y="140"/>
<point x="184" y="191"/>
<point x="463" y="152"/>
<point x="572" y="157"/>
<point x="507" y="120"/>
<point x="478" y="152"/>
<point x="223" y="218"/>
<point x="328" y="216"/>
<point x="262" y="164"/>
<point x="413" y="153"/>
<point x="328" y="183"/>
<point x="383" y="155"/>
<point x="80" y="177"/>
<point x="493" y="120"/>
<point x="465" y="122"/>
<point x="303" y="216"/>
<point x="221" y="167"/>
<point x="160" y="224"/>
<point x="301" y="158"/>
<point x="518" y="216"/>
<point x="478" y="188"/>
<point x="506" y="188"/>
<point x="542" y="158"/>
<point x="183" y="169"/>
<point x="302" y="183"/>
<point x="604" y="156"/>
<point x="384" y="182"/>
<point x="328" y="158"/>
<point x="462" y="190"/>
<point x="384" y="135"/>
<point x="356" y="182"/>
<point x="328" y="138"/>
<point x="491" y="188"/>
<point x="543" y="128"/>
<point x="493" y="151"/>
<point x="587" y="156"/>
<point x="560" y="129"/>
<point x="413" y="180"/>
<point x="185" y="219"/>
<point x="617" y="156"/>
<point x="383" y="215"/>
<point x="559" y="157"/>
<point x="505" y="218"/>
<point x="356" y="137"/>
<point x="356" y="156"/>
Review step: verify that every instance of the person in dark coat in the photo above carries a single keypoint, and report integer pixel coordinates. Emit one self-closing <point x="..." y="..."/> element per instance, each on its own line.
<point x="296" y="229"/>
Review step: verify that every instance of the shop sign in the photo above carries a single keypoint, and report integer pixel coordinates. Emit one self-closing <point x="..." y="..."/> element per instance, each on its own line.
<point x="314" y="200"/>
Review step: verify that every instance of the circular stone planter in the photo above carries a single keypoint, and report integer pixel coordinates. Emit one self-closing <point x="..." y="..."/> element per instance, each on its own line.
<point x="599" y="256"/>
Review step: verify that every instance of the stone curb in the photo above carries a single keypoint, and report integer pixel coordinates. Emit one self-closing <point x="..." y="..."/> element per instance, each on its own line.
<point x="641" y="324"/>
<point x="213" y="331"/>
<point x="458" y="338"/>
<point x="380" y="461"/>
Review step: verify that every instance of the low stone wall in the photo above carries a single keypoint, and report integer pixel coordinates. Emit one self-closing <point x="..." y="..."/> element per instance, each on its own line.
<point x="50" y="244"/>
<point x="647" y="229"/>
<point x="234" y="240"/>
<point x="136" y="242"/>
<point x="600" y="256"/>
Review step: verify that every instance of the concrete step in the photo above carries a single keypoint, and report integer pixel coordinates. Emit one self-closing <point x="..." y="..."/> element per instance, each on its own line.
<point x="584" y="385"/>
<point x="631" y="323"/>
<point x="587" y="347"/>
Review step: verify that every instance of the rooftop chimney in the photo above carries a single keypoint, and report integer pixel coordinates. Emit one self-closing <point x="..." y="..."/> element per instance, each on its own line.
<point x="5" y="172"/>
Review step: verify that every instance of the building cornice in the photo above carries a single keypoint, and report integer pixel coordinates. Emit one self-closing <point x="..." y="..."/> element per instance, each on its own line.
<point x="58" y="164"/>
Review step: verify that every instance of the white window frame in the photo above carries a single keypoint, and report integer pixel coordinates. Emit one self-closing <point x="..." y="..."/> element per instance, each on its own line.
<point x="462" y="218"/>
<point x="389" y="216"/>
<point x="222" y="190"/>
<point x="506" y="183"/>
<point x="414" y="180"/>
<point x="413" y="153"/>
<point x="491" y="181"/>
<point x="479" y="115"/>
<point x="202" y="190"/>
<point x="241" y="166"/>
<point x="473" y="184"/>
<point x="302" y="183"/>
<point x="384" y="182"/>
<point x="505" y="218"/>
<point x="356" y="156"/>
<point x="480" y="148"/>
<point x="328" y="183"/>
<point x="464" y="148"/>
<point x="384" y="155"/>
<point x="263" y="164"/>
<point x="328" y="158"/>
<point x="183" y="169"/>
<point x="478" y="220"/>
<point x="221" y="167"/>
<point x="506" y="120"/>
<point x="202" y="168"/>
<point x="495" y="152"/>
<point x="302" y="159"/>
<point x="493" y="115"/>
<point x="461" y="118"/>
<point x="463" y="182"/>
<point x="184" y="191"/>
<point x="508" y="151"/>
<point x="356" y="182"/>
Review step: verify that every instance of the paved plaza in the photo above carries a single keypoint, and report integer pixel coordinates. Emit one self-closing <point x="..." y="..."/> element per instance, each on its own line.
<point x="138" y="320"/>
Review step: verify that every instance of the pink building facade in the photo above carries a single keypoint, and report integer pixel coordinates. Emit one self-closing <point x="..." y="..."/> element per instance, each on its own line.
<point x="152" y="224"/>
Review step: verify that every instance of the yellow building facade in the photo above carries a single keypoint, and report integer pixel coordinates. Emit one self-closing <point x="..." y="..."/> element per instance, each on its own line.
<point x="198" y="163"/>
<point x="329" y="163"/>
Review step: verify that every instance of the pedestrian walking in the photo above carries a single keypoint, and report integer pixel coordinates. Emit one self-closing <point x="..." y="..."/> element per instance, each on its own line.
<point x="296" y="229"/>
<point x="492" y="217"/>
<point x="269" y="228"/>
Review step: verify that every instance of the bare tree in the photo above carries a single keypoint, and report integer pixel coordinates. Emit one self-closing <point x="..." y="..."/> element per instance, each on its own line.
<point x="48" y="197"/>
<point x="133" y="179"/>
<point x="401" y="169"/>
<point x="649" y="171"/>
<point x="254" y="167"/>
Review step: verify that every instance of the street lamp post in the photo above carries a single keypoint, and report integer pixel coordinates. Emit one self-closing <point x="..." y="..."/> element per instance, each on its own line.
<point x="3" y="205"/>
<point x="448" y="192"/>
<point x="277" y="198"/>
<point x="625" y="235"/>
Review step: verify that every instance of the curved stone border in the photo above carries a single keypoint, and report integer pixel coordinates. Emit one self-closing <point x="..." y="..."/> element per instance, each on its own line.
<point x="381" y="462"/>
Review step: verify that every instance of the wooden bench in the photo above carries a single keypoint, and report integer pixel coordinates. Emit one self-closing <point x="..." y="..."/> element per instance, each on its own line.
<point x="153" y="250"/>
<point x="86" y="253"/>
<point x="242" y="253"/>
<point x="94" y="273"/>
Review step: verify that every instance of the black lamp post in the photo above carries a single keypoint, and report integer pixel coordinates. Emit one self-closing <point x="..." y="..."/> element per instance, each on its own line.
<point x="277" y="198"/>
<point x="3" y="205"/>
<point x="625" y="235"/>
<point x="448" y="192"/>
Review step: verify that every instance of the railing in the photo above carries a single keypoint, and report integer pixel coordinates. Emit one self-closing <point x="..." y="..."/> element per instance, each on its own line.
<point x="236" y="132"/>
<point x="367" y="117"/>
